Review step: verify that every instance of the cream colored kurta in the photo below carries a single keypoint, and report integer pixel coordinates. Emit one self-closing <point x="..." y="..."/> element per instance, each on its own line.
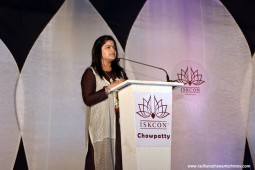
<point x="102" y="129"/>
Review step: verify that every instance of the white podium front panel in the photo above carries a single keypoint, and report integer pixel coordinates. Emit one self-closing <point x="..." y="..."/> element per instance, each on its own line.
<point x="153" y="119"/>
<point x="134" y="154"/>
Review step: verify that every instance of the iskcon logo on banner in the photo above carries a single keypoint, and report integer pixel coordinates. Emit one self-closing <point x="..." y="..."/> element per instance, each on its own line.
<point x="153" y="119"/>
<point x="192" y="79"/>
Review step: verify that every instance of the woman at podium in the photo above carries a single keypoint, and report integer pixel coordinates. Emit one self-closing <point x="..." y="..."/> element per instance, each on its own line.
<point x="104" y="147"/>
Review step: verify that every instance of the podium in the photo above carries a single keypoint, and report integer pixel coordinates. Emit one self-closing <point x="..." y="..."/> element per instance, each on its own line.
<point x="146" y="123"/>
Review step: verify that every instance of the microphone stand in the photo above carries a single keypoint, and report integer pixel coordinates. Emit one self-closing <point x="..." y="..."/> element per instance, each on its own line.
<point x="167" y="77"/>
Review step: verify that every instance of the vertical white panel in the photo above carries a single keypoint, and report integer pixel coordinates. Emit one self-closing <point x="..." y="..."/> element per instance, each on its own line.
<point x="202" y="34"/>
<point x="49" y="101"/>
<point x="251" y="121"/>
<point x="9" y="130"/>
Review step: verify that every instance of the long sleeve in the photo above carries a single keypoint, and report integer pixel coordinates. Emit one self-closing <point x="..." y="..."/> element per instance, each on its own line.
<point x="88" y="86"/>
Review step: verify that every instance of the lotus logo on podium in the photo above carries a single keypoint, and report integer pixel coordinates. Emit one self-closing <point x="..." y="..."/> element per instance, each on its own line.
<point x="160" y="110"/>
<point x="153" y="120"/>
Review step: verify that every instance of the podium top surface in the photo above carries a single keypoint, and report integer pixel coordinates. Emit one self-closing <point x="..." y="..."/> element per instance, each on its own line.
<point x="141" y="82"/>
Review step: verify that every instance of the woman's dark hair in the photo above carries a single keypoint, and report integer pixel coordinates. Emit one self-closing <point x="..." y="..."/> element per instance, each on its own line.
<point x="96" y="57"/>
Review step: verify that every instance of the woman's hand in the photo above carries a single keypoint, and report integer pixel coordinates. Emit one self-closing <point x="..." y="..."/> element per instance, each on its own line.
<point x="115" y="83"/>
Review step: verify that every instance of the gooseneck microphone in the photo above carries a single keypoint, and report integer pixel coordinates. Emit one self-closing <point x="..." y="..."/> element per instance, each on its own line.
<point x="167" y="77"/>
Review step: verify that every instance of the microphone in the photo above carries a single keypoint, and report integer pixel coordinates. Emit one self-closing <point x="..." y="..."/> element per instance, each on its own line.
<point x="167" y="77"/>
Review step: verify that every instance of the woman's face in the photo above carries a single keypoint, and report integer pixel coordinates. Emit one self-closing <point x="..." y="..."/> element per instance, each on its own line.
<point x="108" y="51"/>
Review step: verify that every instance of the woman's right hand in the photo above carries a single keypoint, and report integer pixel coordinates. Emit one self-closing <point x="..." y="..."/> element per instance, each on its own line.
<point x="115" y="83"/>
